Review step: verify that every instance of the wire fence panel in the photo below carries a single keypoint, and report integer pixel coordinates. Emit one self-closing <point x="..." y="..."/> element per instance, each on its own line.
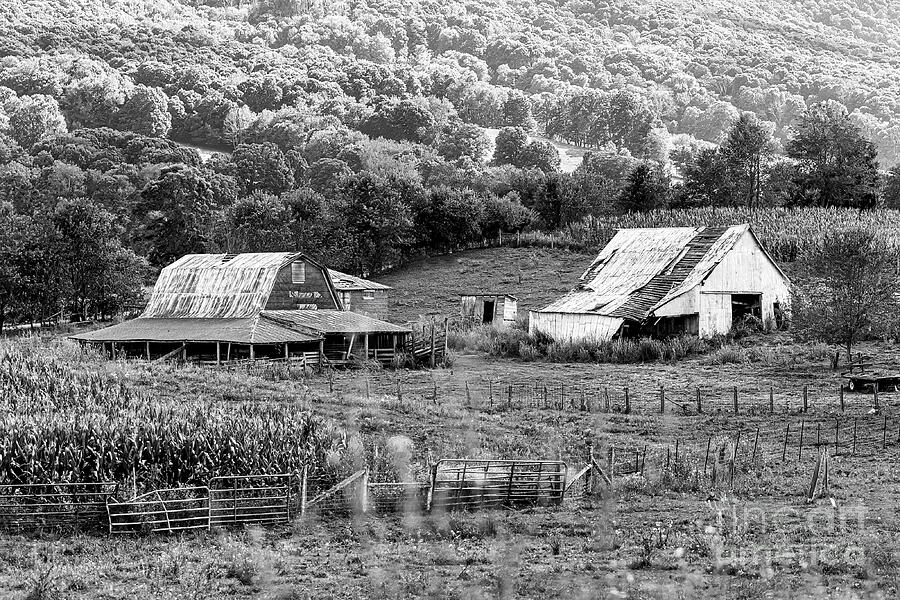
<point x="261" y="499"/>
<point x="54" y="505"/>
<point x="343" y="498"/>
<point x="168" y="510"/>
<point x="471" y="484"/>
<point x="397" y="498"/>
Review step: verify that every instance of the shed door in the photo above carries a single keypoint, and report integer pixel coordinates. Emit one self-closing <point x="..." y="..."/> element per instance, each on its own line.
<point x="488" y="311"/>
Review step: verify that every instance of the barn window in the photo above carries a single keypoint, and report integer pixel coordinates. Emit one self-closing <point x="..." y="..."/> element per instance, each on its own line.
<point x="298" y="272"/>
<point x="368" y="295"/>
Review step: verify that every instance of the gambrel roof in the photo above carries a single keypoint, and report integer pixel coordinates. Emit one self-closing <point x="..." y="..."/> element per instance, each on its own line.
<point x="640" y="270"/>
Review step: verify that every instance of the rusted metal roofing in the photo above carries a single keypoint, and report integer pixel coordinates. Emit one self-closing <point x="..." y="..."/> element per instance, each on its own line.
<point x="254" y="330"/>
<point x="332" y="321"/>
<point x="223" y="286"/>
<point x="345" y="282"/>
<point x="642" y="269"/>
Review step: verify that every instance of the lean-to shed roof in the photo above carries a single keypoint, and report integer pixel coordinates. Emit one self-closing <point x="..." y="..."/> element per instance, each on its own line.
<point x="252" y="330"/>
<point x="332" y="321"/>
<point x="642" y="269"/>
<point x="346" y="283"/>
<point x="216" y="286"/>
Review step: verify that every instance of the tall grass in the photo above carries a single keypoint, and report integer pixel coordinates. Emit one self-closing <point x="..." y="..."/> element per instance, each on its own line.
<point x="65" y="419"/>
<point x="515" y="342"/>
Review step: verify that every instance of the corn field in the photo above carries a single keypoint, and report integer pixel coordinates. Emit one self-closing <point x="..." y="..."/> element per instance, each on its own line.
<point x="788" y="234"/>
<point x="63" y="420"/>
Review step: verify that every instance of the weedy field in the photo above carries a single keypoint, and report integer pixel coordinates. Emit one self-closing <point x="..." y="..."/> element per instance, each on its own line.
<point x="665" y="534"/>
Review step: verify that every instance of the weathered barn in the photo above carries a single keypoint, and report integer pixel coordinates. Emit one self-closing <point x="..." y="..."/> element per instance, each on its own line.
<point x="488" y="309"/>
<point x="698" y="280"/>
<point x="221" y="307"/>
<point x="360" y="295"/>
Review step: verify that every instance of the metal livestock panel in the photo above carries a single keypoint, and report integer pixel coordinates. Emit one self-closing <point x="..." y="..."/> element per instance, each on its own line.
<point x="171" y="509"/>
<point x="54" y="505"/>
<point x="508" y="483"/>
<point x="260" y="499"/>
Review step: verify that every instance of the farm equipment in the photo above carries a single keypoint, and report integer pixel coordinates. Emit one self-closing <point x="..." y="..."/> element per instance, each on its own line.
<point x="861" y="377"/>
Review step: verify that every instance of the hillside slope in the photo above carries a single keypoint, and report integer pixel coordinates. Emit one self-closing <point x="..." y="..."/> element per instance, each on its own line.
<point x="430" y="287"/>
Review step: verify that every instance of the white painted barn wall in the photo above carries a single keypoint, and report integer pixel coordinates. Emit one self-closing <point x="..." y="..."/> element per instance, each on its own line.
<point x="571" y="327"/>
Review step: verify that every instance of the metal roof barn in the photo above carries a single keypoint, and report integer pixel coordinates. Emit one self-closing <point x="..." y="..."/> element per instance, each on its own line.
<point x="658" y="281"/>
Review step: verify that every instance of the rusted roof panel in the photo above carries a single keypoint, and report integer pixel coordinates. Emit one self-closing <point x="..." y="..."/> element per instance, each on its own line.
<point x="224" y="286"/>
<point x="255" y="330"/>
<point x="629" y="262"/>
<point x="332" y="321"/>
<point x="642" y="269"/>
<point x="345" y="282"/>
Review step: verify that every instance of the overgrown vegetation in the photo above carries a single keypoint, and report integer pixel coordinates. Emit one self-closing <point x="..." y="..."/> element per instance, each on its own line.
<point x="516" y="342"/>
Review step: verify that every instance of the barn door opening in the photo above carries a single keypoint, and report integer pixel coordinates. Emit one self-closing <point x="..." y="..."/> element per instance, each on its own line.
<point x="743" y="305"/>
<point x="488" y="314"/>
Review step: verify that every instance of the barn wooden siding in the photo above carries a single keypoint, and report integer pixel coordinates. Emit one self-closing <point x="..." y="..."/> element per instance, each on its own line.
<point x="675" y="272"/>
<point x="314" y="292"/>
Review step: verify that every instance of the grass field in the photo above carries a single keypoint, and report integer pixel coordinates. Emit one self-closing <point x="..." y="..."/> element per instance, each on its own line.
<point x="431" y="286"/>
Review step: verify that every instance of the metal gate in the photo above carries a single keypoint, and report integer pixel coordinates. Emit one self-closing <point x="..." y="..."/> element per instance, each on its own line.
<point x="170" y="509"/>
<point x="262" y="499"/>
<point x="54" y="505"/>
<point x="510" y="483"/>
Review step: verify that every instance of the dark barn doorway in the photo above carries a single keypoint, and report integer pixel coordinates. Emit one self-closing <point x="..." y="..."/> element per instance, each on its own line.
<point x="488" y="314"/>
<point x="743" y="305"/>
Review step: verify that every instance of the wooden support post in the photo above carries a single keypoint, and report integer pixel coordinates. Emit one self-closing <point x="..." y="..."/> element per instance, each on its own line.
<point x="787" y="432"/>
<point x="755" y="445"/>
<point x="321" y="353"/>
<point x="431" y="359"/>
<point x="228" y="353"/>
<point x="287" y="351"/>
<point x="662" y="400"/>
<point x="112" y="349"/>
<point x="706" y="458"/>
<point x="699" y="408"/>
<point x="218" y="352"/>
<point x="148" y="350"/>
<point x="366" y="346"/>
<point x="800" y="452"/>
<point x="627" y="402"/>
<point x="184" y="352"/>
<point x="252" y="352"/>
<point x="735" y="400"/>
<point x="841" y="391"/>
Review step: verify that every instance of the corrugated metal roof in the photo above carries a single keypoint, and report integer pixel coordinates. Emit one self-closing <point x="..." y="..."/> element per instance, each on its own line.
<point x="255" y="330"/>
<point x="221" y="286"/>
<point x="333" y="321"/>
<point x="343" y="281"/>
<point x="628" y="262"/>
<point x="642" y="269"/>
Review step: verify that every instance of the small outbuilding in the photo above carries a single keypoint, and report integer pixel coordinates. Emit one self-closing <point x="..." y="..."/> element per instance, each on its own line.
<point x="661" y="281"/>
<point x="222" y="307"/>
<point x="360" y="295"/>
<point x="488" y="309"/>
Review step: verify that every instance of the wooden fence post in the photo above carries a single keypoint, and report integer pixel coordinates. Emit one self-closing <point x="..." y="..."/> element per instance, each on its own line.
<point x="805" y="398"/>
<point x="675" y="464"/>
<point x="303" y="488"/>
<point x="854" y="436"/>
<point x="606" y="393"/>
<point x="837" y="434"/>
<point x="755" y="444"/>
<point x="627" y="403"/>
<point x="841" y="388"/>
<point x="662" y="399"/>
<point x="699" y="408"/>
<point x="771" y="400"/>
<point x="509" y="396"/>
<point x="787" y="432"/>
<point x="706" y="458"/>
<point x="884" y="434"/>
<point x="735" y="400"/>
<point x="800" y="454"/>
<point x="875" y="394"/>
